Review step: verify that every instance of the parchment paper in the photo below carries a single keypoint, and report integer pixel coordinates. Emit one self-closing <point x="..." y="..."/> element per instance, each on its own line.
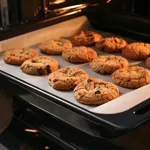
<point x="127" y="100"/>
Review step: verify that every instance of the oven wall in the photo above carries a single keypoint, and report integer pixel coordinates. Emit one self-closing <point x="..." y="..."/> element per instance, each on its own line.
<point x="127" y="17"/>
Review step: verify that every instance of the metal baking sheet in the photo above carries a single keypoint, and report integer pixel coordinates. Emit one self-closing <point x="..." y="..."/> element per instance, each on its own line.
<point x="128" y="98"/>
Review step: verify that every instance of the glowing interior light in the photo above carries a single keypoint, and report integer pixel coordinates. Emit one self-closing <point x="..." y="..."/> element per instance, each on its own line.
<point x="108" y="1"/>
<point x="56" y="2"/>
<point x="31" y="130"/>
<point x="47" y="147"/>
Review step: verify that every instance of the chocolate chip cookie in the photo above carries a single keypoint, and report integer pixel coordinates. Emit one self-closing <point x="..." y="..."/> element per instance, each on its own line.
<point x="94" y="91"/>
<point x="86" y="38"/>
<point x="136" y="51"/>
<point x="40" y="65"/>
<point x="132" y="77"/>
<point x="55" y="46"/>
<point x="79" y="54"/>
<point x="111" y="44"/>
<point x="17" y="56"/>
<point x="148" y="62"/>
<point x="108" y="64"/>
<point x="66" y="79"/>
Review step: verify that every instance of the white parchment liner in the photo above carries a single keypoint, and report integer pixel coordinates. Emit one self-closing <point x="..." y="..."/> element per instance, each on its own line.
<point x="66" y="29"/>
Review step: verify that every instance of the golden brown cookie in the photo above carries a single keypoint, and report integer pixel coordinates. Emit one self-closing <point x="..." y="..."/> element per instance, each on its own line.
<point x="111" y="44"/>
<point x="108" y="64"/>
<point x="148" y="62"/>
<point x="94" y="91"/>
<point x="40" y="65"/>
<point x="66" y="79"/>
<point x="136" y="51"/>
<point x="86" y="38"/>
<point x="17" y="56"/>
<point x="132" y="77"/>
<point x="79" y="54"/>
<point x="55" y="46"/>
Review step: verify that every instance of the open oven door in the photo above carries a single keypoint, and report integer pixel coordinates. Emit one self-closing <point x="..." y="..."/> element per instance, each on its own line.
<point x="6" y="109"/>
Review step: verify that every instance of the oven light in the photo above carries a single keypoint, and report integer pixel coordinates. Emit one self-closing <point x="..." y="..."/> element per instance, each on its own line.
<point x="108" y="1"/>
<point x="72" y="7"/>
<point x="31" y="130"/>
<point x="77" y="6"/>
<point x="74" y="12"/>
<point x="56" y="2"/>
<point x="47" y="147"/>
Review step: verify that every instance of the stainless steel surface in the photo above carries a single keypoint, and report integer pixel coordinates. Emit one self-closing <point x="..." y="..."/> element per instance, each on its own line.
<point x="124" y="102"/>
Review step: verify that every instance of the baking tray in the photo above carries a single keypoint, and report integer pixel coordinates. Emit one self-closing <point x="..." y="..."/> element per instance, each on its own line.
<point x="128" y="99"/>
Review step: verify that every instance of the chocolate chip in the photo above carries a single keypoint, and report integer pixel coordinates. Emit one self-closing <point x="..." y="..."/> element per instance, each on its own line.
<point x="89" y="80"/>
<point x="102" y="49"/>
<point x="34" y="61"/>
<point x="97" y="92"/>
<point x="48" y="69"/>
<point x="55" y="80"/>
<point x="40" y="71"/>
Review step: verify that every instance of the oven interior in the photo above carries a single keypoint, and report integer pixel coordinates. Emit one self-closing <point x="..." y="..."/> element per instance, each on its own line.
<point x="117" y="16"/>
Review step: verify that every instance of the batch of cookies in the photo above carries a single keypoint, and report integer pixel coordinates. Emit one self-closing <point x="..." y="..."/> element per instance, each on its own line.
<point x="86" y="90"/>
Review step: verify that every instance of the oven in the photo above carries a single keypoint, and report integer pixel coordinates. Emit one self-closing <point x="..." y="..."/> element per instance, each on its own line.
<point x="35" y="117"/>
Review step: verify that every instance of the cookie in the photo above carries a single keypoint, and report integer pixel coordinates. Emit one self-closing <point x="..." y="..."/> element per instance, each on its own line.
<point x="40" y="65"/>
<point x="79" y="54"/>
<point x="86" y="38"/>
<point x="148" y="62"/>
<point x="132" y="77"/>
<point x="17" y="56"/>
<point x="55" y="46"/>
<point x="66" y="79"/>
<point x="136" y="51"/>
<point x="94" y="91"/>
<point x="111" y="44"/>
<point x="108" y="64"/>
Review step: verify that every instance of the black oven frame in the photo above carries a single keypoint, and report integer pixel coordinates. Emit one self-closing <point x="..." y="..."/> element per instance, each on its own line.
<point x="93" y="125"/>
